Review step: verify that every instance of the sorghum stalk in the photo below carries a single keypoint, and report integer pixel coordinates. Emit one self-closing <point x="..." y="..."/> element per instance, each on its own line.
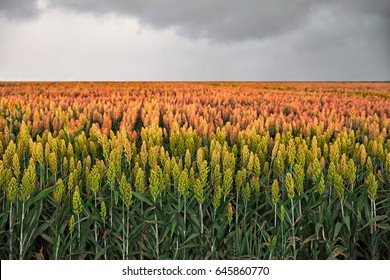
<point x="127" y="234"/>
<point x="103" y="213"/>
<point x="201" y="218"/>
<point x="293" y="225"/>
<point x="123" y="232"/>
<point x="111" y="203"/>
<point x="11" y="230"/>
<point x="21" y="233"/>
<point x="79" y="231"/>
<point x="156" y="227"/>
<point x="275" y="195"/>
<point x="57" y="247"/>
<point x="71" y="229"/>
<point x="291" y="194"/>
<point x="95" y="226"/>
<point x="11" y="196"/>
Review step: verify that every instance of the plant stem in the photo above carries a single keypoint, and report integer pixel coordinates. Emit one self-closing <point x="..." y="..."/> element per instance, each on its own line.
<point x="10" y="231"/>
<point x="112" y="202"/>
<point x="42" y="178"/>
<point x="79" y="230"/>
<point x="70" y="246"/>
<point x="95" y="226"/>
<point x="342" y="208"/>
<point x="185" y="216"/>
<point x="123" y="232"/>
<point x="201" y="218"/>
<point x="156" y="228"/>
<point x="293" y="225"/>
<point x="127" y="234"/>
<point x="275" y="215"/>
<point x="300" y="205"/>
<point x="372" y="216"/>
<point x="21" y="233"/>
<point x="104" y="240"/>
<point x="57" y="246"/>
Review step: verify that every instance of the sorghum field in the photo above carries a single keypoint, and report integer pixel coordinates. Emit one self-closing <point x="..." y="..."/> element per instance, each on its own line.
<point x="194" y="170"/>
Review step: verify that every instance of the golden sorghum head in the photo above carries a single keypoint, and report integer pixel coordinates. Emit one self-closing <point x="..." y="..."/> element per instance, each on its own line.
<point x="290" y="185"/>
<point x="126" y="191"/>
<point x="372" y="186"/>
<point x="298" y="175"/>
<point x="59" y="191"/>
<point x="140" y="181"/>
<point x="245" y="156"/>
<point x="291" y="151"/>
<point x="28" y="182"/>
<point x="278" y="164"/>
<point x="316" y="171"/>
<point x="246" y="193"/>
<point x="369" y="166"/>
<point x="12" y="191"/>
<point x="52" y="162"/>
<point x="331" y="173"/>
<point x="187" y="159"/>
<point x="154" y="183"/>
<point x="321" y="185"/>
<point x="363" y="154"/>
<point x="16" y="165"/>
<point x="250" y="162"/>
<point x="266" y="168"/>
<point x="71" y="224"/>
<point x="76" y="202"/>
<point x="184" y="183"/>
<point x="217" y="196"/>
<point x="111" y="173"/>
<point x="216" y="176"/>
<point x="256" y="166"/>
<point x="255" y="184"/>
<point x="229" y="212"/>
<point x="199" y="158"/>
<point x="275" y="192"/>
<point x="282" y="213"/>
<point x="240" y="179"/>
<point x="103" y="210"/>
<point x="9" y="154"/>
<point x="94" y="179"/>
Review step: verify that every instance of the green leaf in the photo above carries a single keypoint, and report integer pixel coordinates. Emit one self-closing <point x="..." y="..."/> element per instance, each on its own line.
<point x="337" y="230"/>
<point x="373" y="220"/>
<point x="42" y="194"/>
<point x="337" y="252"/>
<point x="309" y="239"/>
<point x="348" y="223"/>
<point x="142" y="198"/>
<point x="67" y="138"/>
<point x="318" y="227"/>
<point x="385" y="227"/>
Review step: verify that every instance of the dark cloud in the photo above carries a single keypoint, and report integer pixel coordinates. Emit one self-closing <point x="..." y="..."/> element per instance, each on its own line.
<point x="230" y="20"/>
<point x="195" y="40"/>
<point x="19" y="9"/>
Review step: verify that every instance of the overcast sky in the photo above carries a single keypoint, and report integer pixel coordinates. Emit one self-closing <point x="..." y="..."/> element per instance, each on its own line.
<point x="194" y="40"/>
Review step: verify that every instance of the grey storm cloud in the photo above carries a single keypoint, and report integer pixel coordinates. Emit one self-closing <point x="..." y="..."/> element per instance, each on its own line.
<point x="225" y="20"/>
<point x="229" y="20"/>
<point x="19" y="9"/>
<point x="195" y="40"/>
